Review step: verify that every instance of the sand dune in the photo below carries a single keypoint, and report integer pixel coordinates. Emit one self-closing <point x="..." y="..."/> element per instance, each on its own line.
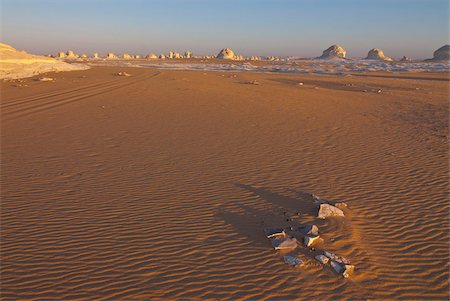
<point x="159" y="185"/>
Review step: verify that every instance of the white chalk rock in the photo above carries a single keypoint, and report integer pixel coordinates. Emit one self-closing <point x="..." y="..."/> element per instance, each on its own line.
<point x="162" y="56"/>
<point x="311" y="230"/>
<point x="188" y="54"/>
<point x="111" y="56"/>
<point x="322" y="259"/>
<point x="127" y="56"/>
<point x="95" y="55"/>
<point x="70" y="54"/>
<point x="284" y="243"/>
<point x="274" y="232"/>
<point x="333" y="52"/>
<point x="405" y="59"/>
<point x="226" y="54"/>
<point x="292" y="260"/>
<point x="348" y="270"/>
<point x="442" y="54"/>
<point x="61" y="54"/>
<point x="327" y="210"/>
<point x="151" y="56"/>
<point x="311" y="240"/>
<point x="137" y="56"/>
<point x="377" y="54"/>
<point x="83" y="56"/>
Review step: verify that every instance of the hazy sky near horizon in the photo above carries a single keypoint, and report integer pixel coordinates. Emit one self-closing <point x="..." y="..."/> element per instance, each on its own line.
<point x="414" y="28"/>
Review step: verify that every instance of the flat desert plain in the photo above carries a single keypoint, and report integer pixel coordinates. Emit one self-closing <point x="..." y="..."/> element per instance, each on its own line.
<point x="159" y="185"/>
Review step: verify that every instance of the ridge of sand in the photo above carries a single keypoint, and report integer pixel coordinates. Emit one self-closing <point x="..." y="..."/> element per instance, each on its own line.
<point x="16" y="64"/>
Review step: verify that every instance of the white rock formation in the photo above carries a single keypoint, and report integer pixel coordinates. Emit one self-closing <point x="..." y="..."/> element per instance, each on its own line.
<point x="254" y="58"/>
<point x="333" y="52"/>
<point x="71" y="55"/>
<point x="95" y="55"/>
<point x="327" y="210"/>
<point x="162" y="56"/>
<point x="83" y="56"/>
<point x="111" y="56"/>
<point x="127" y="56"/>
<point x="61" y="54"/>
<point x="405" y="59"/>
<point x="227" y="54"/>
<point x="442" y="54"/>
<point x="151" y="56"/>
<point x="377" y="54"/>
<point x="188" y="54"/>
<point x="16" y="64"/>
<point x="137" y="56"/>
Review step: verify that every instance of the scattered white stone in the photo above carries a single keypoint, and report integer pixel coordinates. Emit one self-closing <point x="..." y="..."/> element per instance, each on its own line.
<point x="123" y="74"/>
<point x="45" y="79"/>
<point x="322" y="259"/>
<point x="327" y="210"/>
<point x="254" y="82"/>
<point x="292" y="260"/>
<point x="310" y="240"/>
<point x="284" y="243"/>
<point x="348" y="270"/>
<point x="336" y="258"/>
<point x="274" y="232"/>
<point x="300" y="84"/>
<point x="311" y="230"/>
<point x="337" y="267"/>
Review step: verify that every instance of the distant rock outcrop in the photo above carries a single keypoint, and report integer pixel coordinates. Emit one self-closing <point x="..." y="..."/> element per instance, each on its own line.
<point x="95" y="55"/>
<point x="20" y="64"/>
<point x="188" y="54"/>
<point x="227" y="54"/>
<point x="333" y="52"/>
<point x="377" y="54"/>
<point x="61" y="54"/>
<point x="111" y="56"/>
<point x="442" y="54"/>
<point x="71" y="55"/>
<point x="405" y="59"/>
<point x="162" y="56"/>
<point x="151" y="56"/>
<point x="127" y="56"/>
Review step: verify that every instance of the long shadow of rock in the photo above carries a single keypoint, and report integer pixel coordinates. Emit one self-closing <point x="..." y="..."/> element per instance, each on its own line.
<point x="302" y="204"/>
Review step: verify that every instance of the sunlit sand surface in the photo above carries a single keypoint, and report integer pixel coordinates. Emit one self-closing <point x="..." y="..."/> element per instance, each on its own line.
<point x="160" y="184"/>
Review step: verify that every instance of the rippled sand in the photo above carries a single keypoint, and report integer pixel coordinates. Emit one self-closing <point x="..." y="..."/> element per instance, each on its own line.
<point x="159" y="185"/>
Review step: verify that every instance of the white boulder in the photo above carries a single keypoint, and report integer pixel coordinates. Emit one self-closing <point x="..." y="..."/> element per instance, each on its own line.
<point x="442" y="54"/>
<point x="377" y="54"/>
<point x="327" y="210"/>
<point x="226" y="54"/>
<point x="333" y="52"/>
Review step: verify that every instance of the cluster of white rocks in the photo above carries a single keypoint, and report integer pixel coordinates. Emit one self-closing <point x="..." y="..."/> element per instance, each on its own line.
<point x="334" y="52"/>
<point x="283" y="239"/>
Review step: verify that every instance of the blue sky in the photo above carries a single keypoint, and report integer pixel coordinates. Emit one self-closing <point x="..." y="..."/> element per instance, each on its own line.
<point x="414" y="28"/>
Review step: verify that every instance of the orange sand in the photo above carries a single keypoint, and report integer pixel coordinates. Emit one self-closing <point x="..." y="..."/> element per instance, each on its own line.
<point x="159" y="185"/>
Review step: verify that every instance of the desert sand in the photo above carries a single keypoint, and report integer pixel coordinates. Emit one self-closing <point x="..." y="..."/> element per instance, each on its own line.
<point x="159" y="185"/>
